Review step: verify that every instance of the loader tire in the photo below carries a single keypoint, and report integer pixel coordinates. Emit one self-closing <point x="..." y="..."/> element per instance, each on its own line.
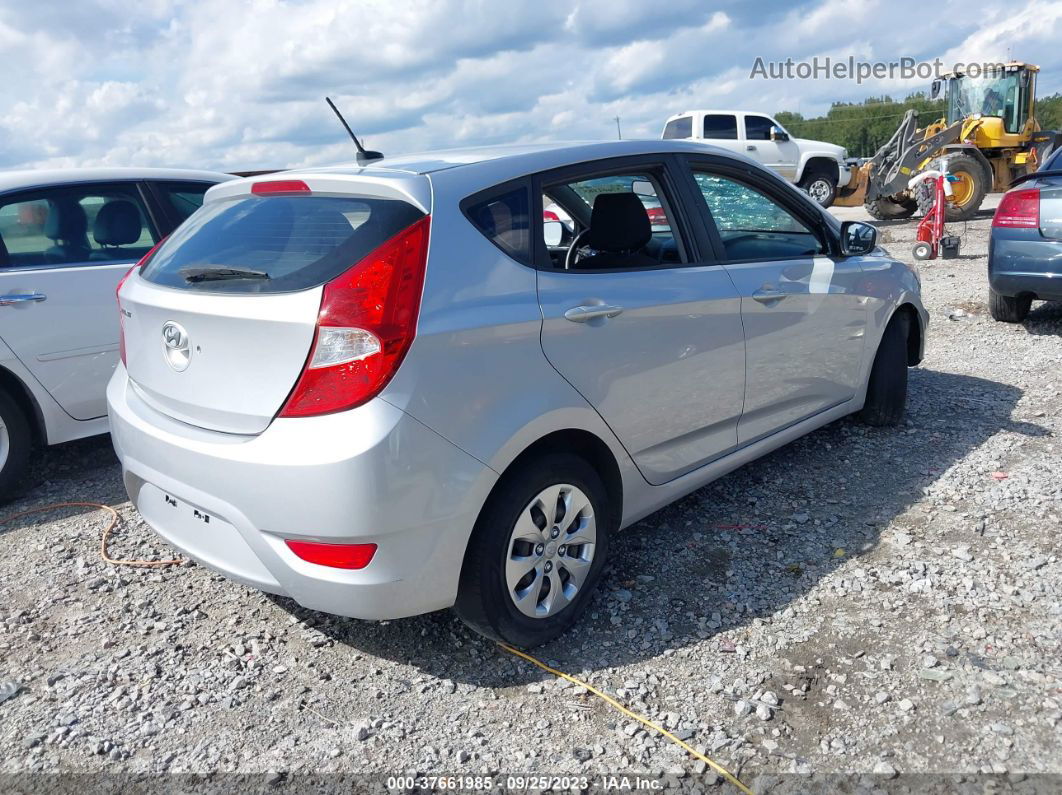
<point x="969" y="191"/>
<point x="885" y="209"/>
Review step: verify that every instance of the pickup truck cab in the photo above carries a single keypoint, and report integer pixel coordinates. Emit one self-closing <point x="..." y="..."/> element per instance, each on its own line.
<point x="816" y="166"/>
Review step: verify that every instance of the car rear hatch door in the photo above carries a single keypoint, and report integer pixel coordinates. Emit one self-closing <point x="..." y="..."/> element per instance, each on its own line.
<point x="1051" y="208"/>
<point x="219" y="322"/>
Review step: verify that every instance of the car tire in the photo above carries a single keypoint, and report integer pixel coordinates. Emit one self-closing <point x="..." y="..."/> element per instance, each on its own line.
<point x="821" y="186"/>
<point x="496" y="555"/>
<point x="16" y="447"/>
<point x="885" y="209"/>
<point x="887" y="387"/>
<point x="1007" y="309"/>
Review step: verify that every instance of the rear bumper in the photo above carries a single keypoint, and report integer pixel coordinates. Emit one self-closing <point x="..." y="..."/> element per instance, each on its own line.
<point x="1022" y="262"/>
<point x="372" y="474"/>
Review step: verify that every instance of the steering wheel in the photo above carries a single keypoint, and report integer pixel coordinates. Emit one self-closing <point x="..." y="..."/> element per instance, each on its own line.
<point x="569" y="258"/>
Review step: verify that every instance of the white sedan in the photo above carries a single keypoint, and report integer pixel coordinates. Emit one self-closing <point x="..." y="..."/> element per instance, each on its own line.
<point x="67" y="237"/>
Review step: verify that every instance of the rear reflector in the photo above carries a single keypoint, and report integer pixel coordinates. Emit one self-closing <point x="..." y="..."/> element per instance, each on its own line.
<point x="338" y="556"/>
<point x="367" y="322"/>
<point x="1019" y="209"/>
<point x="280" y="186"/>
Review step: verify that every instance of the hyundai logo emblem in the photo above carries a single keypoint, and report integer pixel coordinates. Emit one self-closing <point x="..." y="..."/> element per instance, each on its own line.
<point x="176" y="348"/>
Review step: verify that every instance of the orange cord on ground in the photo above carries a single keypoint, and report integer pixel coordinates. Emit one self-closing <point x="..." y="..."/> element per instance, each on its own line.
<point x="115" y="519"/>
<point x="635" y="716"/>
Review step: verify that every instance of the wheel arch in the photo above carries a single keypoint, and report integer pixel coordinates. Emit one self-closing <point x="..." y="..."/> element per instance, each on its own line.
<point x="20" y="393"/>
<point x="815" y="163"/>
<point x="579" y="442"/>
<point x="914" y="332"/>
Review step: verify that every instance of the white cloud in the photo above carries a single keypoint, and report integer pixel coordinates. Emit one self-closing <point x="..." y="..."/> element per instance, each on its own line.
<point x="240" y="84"/>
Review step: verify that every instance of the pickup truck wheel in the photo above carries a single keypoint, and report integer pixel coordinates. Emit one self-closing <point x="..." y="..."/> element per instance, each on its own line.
<point x="1007" y="309"/>
<point x="16" y="447"/>
<point x="887" y="388"/>
<point x="821" y="186"/>
<point x="885" y="209"/>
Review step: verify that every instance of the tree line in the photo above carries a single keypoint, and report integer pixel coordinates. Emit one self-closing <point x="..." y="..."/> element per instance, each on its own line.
<point x="862" y="127"/>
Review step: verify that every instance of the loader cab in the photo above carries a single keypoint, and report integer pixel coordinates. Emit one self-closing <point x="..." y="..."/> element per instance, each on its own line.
<point x="1007" y="93"/>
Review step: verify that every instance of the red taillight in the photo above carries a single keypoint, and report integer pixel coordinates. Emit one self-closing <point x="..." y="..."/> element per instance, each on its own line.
<point x="367" y="322"/>
<point x="338" y="556"/>
<point x="549" y="215"/>
<point x="117" y="294"/>
<point x="1019" y="209"/>
<point x="280" y="186"/>
<point x="656" y="215"/>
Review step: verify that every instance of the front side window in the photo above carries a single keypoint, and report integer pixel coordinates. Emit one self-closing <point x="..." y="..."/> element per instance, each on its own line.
<point x="629" y="226"/>
<point x="720" y="126"/>
<point x="505" y="220"/>
<point x="679" y="128"/>
<point x="752" y="225"/>
<point x="758" y="128"/>
<point x="74" y="226"/>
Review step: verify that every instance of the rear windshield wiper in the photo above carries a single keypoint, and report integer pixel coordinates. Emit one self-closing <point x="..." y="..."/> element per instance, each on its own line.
<point x="216" y="274"/>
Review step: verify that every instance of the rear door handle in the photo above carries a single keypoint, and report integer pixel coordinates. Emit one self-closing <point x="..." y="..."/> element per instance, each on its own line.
<point x="751" y="148"/>
<point x="21" y="298"/>
<point x="581" y="314"/>
<point x="768" y="295"/>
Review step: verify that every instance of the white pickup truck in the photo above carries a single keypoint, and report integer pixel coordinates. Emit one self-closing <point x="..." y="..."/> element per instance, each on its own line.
<point x="816" y="166"/>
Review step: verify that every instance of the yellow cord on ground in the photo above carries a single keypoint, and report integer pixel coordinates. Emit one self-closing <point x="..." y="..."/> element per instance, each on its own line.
<point x="115" y="519"/>
<point x="645" y="721"/>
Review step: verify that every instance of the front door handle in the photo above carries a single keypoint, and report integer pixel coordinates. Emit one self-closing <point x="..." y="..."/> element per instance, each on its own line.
<point x="581" y="314"/>
<point x="768" y="295"/>
<point x="21" y="298"/>
<point x="751" y="147"/>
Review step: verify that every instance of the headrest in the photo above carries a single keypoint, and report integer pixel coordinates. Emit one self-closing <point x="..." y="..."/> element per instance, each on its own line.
<point x="618" y="222"/>
<point x="66" y="221"/>
<point x="117" y="224"/>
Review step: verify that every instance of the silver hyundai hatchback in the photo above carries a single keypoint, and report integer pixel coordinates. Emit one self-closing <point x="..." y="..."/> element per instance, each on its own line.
<point x="396" y="388"/>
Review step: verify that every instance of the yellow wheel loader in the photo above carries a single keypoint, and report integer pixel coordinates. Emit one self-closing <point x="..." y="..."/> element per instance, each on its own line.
<point x="988" y="138"/>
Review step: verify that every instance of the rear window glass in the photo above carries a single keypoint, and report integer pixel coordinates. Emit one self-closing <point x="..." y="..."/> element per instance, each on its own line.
<point x="720" y="126"/>
<point x="679" y="128"/>
<point x="274" y="244"/>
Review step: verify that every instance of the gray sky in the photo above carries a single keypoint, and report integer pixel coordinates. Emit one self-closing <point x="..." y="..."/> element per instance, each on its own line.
<point x="240" y="84"/>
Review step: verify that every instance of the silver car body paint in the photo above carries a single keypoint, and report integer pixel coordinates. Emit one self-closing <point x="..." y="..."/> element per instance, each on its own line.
<point x="494" y="368"/>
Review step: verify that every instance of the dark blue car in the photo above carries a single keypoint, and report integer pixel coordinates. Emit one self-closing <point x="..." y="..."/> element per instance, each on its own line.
<point x="1025" y="248"/>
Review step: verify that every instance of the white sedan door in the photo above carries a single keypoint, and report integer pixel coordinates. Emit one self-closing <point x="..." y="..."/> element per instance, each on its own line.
<point x="63" y="252"/>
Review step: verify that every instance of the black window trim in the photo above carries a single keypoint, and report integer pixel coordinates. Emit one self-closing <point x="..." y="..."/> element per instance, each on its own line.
<point x="675" y="200"/>
<point x="154" y="229"/>
<point x="769" y="184"/>
<point x="502" y="188"/>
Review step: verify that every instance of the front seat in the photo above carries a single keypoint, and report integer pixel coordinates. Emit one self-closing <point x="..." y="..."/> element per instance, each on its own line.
<point x="619" y="230"/>
<point x="67" y="226"/>
<point x="117" y="224"/>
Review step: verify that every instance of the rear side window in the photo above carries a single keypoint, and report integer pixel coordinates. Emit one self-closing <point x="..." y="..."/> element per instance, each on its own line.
<point x="505" y="220"/>
<point x="719" y="125"/>
<point x="679" y="128"/>
<point x="275" y="244"/>
<point x="184" y="197"/>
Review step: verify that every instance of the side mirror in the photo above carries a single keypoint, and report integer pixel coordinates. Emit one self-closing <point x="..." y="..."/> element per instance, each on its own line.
<point x="936" y="89"/>
<point x="643" y="187"/>
<point x="858" y="238"/>
<point x="553" y="233"/>
<point x="778" y="134"/>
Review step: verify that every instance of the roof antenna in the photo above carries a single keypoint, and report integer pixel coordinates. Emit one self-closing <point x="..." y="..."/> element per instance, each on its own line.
<point x="364" y="155"/>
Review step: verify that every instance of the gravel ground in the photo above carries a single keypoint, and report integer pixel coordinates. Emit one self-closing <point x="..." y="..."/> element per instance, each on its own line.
<point x="879" y="602"/>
